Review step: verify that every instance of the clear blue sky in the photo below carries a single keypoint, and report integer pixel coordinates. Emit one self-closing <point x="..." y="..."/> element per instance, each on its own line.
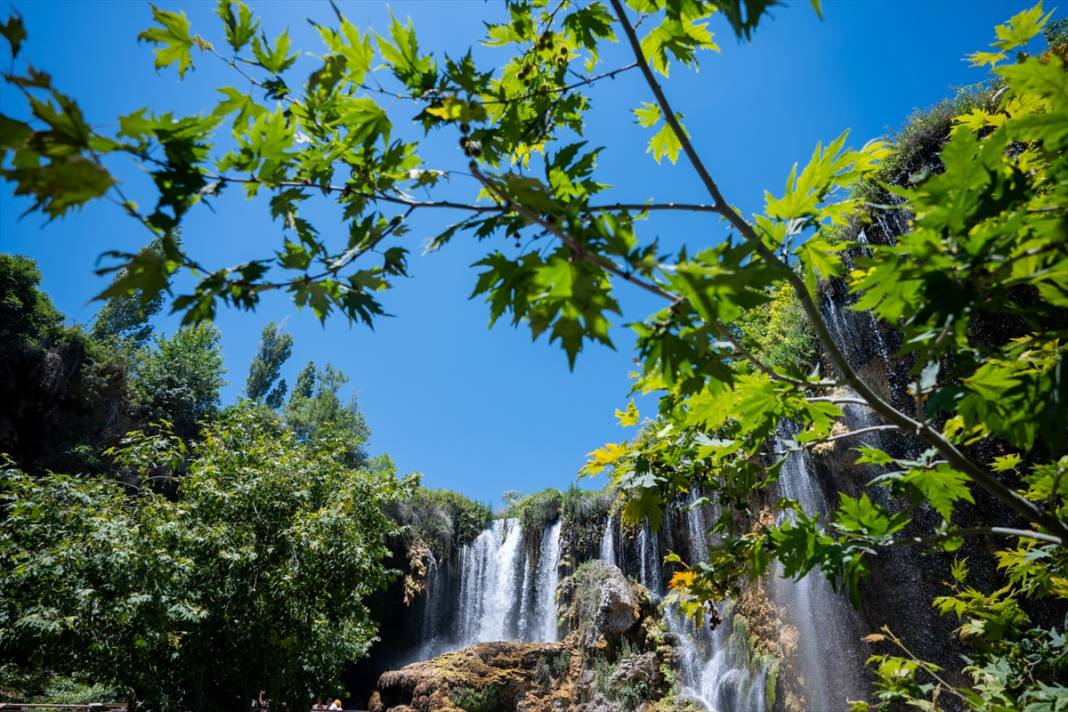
<point x="479" y="410"/>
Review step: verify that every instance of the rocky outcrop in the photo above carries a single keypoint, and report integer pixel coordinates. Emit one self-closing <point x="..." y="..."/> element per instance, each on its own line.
<point x="615" y="656"/>
<point x="481" y="678"/>
<point x="603" y="611"/>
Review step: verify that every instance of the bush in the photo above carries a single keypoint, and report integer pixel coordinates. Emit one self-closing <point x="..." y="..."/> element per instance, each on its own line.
<point x="442" y="519"/>
<point x="583" y="507"/>
<point x="560" y="663"/>
<point x="779" y="331"/>
<point x="472" y="699"/>
<point x="917" y="144"/>
<point x="535" y="512"/>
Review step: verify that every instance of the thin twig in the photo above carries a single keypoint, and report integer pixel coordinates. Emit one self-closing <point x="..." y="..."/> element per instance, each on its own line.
<point x="988" y="531"/>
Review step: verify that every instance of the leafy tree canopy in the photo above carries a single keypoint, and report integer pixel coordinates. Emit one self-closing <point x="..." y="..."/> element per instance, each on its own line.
<point x="179" y="380"/>
<point x="985" y="244"/>
<point x="125" y="315"/>
<point x="265" y="560"/>
<point x="315" y="410"/>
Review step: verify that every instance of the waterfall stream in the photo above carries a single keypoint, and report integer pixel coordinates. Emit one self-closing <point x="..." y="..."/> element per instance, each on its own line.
<point x="505" y="589"/>
<point x="548" y="579"/>
<point x="715" y="667"/>
<point x="828" y="628"/>
<point x="608" y="543"/>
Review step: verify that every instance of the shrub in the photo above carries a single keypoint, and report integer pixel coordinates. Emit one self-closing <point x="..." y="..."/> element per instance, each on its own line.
<point x="779" y="331"/>
<point x="441" y="518"/>
<point x="535" y="512"/>
<point x="917" y="144"/>
<point x="471" y="699"/>
<point x="586" y="506"/>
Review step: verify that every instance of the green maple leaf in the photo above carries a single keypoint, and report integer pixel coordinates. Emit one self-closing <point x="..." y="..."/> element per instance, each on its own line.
<point x="173" y="35"/>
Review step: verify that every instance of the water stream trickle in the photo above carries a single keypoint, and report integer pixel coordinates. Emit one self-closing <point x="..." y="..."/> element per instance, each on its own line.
<point x="827" y="626"/>
<point x="548" y="580"/>
<point x="715" y="666"/>
<point x="608" y="543"/>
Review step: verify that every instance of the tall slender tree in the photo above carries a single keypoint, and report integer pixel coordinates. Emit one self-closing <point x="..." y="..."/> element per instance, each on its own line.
<point x="264" y="384"/>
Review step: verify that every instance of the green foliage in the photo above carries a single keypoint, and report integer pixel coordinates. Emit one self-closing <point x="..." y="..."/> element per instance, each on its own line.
<point x="727" y="355"/>
<point x="258" y="570"/>
<point x="779" y="331"/>
<point x="179" y="380"/>
<point x="917" y="144"/>
<point x="63" y="392"/>
<point x="584" y="507"/>
<point x="263" y="384"/>
<point x="536" y="511"/>
<point x="472" y="699"/>
<point x="442" y="519"/>
<point x="43" y="687"/>
<point x="315" y="411"/>
<point x="125" y="316"/>
<point x="27" y="315"/>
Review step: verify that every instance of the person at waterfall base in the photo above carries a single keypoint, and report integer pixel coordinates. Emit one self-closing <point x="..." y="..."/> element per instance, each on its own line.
<point x="335" y="705"/>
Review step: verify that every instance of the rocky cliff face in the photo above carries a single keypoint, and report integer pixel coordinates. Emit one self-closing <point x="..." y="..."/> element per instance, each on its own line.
<point x="615" y="655"/>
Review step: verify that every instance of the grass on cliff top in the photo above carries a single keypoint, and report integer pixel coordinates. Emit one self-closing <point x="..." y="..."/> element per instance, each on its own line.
<point x="576" y="506"/>
<point x="442" y="519"/>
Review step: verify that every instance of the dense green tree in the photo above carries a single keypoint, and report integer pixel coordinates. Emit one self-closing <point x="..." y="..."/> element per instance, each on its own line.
<point x="316" y="410"/>
<point x="264" y="384"/>
<point x="63" y="394"/>
<point x="258" y="569"/>
<point x="27" y="316"/>
<point x="178" y="380"/>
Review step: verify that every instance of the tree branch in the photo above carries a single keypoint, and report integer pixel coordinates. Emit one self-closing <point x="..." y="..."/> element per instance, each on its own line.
<point x="453" y="205"/>
<point x="607" y="265"/>
<point x="837" y="399"/>
<point x="841" y="436"/>
<point x="1026" y="509"/>
<point x="989" y="531"/>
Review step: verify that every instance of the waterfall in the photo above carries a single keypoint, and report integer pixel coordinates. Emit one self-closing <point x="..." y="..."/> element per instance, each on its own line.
<point x="548" y="580"/>
<point x="490" y="567"/>
<point x="499" y="591"/>
<point x="649" y="562"/>
<point x="715" y="666"/>
<point x="608" y="543"/>
<point x="828" y="628"/>
<point x="504" y="592"/>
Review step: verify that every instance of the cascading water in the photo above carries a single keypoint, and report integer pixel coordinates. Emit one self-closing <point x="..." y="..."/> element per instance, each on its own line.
<point x="504" y="591"/>
<point x="608" y="543"/>
<point x="548" y="580"/>
<point x="497" y="591"/>
<point x="649" y="560"/>
<point x="828" y="651"/>
<point x="715" y="666"/>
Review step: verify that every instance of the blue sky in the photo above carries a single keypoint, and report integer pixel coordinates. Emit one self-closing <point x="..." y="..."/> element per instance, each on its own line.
<point x="479" y="410"/>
